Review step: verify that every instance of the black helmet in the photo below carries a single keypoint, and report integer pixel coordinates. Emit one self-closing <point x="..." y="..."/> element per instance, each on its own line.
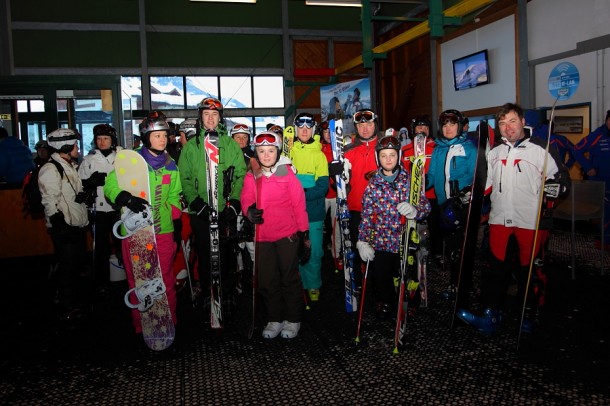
<point x="388" y="141"/>
<point x="107" y="130"/>
<point x="452" y="116"/>
<point x="210" y="103"/>
<point x="420" y="120"/>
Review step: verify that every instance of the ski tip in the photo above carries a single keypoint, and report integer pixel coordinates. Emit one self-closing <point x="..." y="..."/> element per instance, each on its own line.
<point x="307" y="307"/>
<point x="336" y="271"/>
<point x="395" y="350"/>
<point x="357" y="340"/>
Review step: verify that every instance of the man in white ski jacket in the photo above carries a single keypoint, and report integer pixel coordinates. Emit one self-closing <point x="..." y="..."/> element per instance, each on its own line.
<point x="514" y="182"/>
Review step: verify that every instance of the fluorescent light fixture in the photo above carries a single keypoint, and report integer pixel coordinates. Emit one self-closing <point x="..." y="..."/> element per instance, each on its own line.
<point x="339" y="3"/>
<point x="228" y="1"/>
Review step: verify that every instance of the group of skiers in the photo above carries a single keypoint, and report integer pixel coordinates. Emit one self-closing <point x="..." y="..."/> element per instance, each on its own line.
<point x="270" y="206"/>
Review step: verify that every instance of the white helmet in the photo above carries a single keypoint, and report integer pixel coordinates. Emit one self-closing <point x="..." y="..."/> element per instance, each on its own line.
<point x="189" y="127"/>
<point x="63" y="137"/>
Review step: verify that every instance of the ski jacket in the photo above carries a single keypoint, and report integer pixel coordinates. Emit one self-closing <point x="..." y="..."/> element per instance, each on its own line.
<point x="513" y="178"/>
<point x="381" y="225"/>
<point x="312" y="171"/>
<point x="282" y="200"/>
<point x="597" y="144"/>
<point x="452" y="161"/>
<point x="165" y="190"/>
<point x="97" y="162"/>
<point x="332" y="188"/>
<point x="15" y="160"/>
<point x="194" y="169"/>
<point x="59" y="192"/>
<point x="408" y="155"/>
<point x="361" y="155"/>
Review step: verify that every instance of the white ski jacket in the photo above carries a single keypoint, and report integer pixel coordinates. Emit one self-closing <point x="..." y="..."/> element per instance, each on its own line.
<point x="97" y="162"/>
<point x="514" y="174"/>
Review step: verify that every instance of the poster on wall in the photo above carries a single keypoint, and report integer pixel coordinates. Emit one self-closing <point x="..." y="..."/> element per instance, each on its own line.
<point x="342" y="100"/>
<point x="563" y="81"/>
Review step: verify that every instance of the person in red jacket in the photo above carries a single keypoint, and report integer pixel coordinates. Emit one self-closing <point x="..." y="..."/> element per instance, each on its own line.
<point x="361" y="163"/>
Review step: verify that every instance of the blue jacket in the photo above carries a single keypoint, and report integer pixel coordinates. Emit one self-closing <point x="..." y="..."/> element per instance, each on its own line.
<point x="560" y="142"/>
<point x="15" y="160"/>
<point x="597" y="144"/>
<point x="452" y="160"/>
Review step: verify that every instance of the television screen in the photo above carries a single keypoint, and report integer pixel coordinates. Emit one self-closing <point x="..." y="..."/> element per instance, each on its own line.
<point x="471" y="71"/>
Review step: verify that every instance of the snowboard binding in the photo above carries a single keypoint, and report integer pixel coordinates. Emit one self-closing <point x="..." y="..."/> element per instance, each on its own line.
<point x="133" y="222"/>
<point x="146" y="294"/>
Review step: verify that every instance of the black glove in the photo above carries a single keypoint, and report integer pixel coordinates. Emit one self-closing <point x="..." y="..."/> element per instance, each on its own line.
<point x="178" y="232"/>
<point x="236" y="204"/>
<point x="98" y="178"/>
<point x="133" y="203"/>
<point x="58" y="223"/>
<point x="200" y="208"/>
<point x="255" y="215"/>
<point x="335" y="168"/>
<point x="304" y="247"/>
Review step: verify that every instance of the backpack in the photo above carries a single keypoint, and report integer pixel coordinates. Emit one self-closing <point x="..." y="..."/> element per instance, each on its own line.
<point x="32" y="199"/>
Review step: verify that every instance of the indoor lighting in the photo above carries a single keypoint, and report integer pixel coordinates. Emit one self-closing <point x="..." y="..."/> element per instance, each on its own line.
<point x="228" y="1"/>
<point x="341" y="3"/>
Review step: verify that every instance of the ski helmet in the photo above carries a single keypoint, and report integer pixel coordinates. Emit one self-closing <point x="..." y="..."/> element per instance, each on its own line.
<point x="189" y="127"/>
<point x="107" y="130"/>
<point x="420" y="121"/>
<point x="276" y="129"/>
<point x="210" y="103"/>
<point x="43" y="144"/>
<point x="453" y="214"/>
<point x="305" y="120"/>
<point x="63" y="139"/>
<point x="267" y="138"/>
<point x="388" y="141"/>
<point x="150" y="125"/>
<point x="240" y="128"/>
<point x="450" y="116"/>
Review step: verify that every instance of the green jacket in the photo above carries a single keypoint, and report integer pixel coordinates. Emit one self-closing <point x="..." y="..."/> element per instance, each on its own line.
<point x="163" y="179"/>
<point x="193" y="168"/>
<point x="312" y="171"/>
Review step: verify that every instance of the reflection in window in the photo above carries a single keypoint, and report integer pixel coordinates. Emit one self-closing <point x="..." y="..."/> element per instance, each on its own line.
<point x="131" y="92"/>
<point x="167" y="92"/>
<point x="236" y="91"/>
<point x="268" y="91"/>
<point x="200" y="87"/>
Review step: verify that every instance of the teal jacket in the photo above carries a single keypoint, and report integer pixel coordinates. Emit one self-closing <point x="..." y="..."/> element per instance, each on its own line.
<point x="312" y="171"/>
<point x="163" y="179"/>
<point x="193" y="168"/>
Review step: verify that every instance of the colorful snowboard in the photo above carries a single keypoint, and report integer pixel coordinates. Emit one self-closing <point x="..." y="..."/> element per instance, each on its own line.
<point x="157" y="324"/>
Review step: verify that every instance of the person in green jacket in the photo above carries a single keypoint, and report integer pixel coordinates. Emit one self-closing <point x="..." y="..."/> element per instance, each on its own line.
<point x="165" y="189"/>
<point x="312" y="171"/>
<point x="193" y="174"/>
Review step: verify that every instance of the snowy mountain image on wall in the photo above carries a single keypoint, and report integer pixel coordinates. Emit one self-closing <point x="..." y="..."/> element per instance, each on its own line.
<point x="472" y="76"/>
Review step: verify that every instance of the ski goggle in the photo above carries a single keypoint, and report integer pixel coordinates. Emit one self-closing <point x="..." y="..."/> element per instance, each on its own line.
<point x="309" y="122"/>
<point x="267" y="138"/>
<point x="390" y="142"/>
<point x="210" y="103"/>
<point x="448" y="118"/>
<point x="240" y="128"/>
<point x="364" y="116"/>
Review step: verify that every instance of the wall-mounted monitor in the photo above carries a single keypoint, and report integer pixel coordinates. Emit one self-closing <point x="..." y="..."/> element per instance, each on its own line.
<point x="471" y="70"/>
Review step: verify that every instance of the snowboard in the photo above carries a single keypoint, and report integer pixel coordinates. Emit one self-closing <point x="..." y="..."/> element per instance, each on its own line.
<point x="157" y="324"/>
<point x="473" y="220"/>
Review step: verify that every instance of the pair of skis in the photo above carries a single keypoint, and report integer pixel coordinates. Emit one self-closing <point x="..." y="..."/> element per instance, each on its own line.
<point x="343" y="216"/>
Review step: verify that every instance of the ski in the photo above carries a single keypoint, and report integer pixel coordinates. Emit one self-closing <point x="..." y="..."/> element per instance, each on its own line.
<point x="343" y="216"/>
<point x="473" y="219"/>
<point x="410" y="244"/>
<point x="211" y="157"/>
<point x="418" y="170"/>
<point x="288" y="140"/>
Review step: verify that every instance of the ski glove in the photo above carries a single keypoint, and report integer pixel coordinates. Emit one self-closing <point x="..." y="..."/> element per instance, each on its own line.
<point x="255" y="215"/>
<point x="553" y="189"/>
<point x="367" y="253"/>
<point x="98" y="178"/>
<point x="304" y="247"/>
<point x="200" y="208"/>
<point x="406" y="209"/>
<point x="133" y="203"/>
<point x="58" y="222"/>
<point x="178" y="232"/>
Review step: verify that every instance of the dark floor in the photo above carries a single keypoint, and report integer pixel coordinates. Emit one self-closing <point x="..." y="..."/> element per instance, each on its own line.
<point x="98" y="361"/>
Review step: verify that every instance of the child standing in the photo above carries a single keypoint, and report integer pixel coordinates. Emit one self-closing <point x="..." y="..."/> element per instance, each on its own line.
<point x="165" y="189"/>
<point x="273" y="199"/>
<point x="385" y="201"/>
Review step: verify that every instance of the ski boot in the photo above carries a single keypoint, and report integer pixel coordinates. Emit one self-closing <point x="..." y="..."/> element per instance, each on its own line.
<point x="487" y="324"/>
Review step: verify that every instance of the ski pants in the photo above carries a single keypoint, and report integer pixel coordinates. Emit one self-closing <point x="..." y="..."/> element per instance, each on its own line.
<point x="71" y="252"/>
<point x="104" y="243"/>
<point x="279" y="282"/>
<point x="311" y="272"/>
<point x="386" y="266"/>
<point x="504" y="241"/>
<point x="331" y="204"/>
<point x="166" y="249"/>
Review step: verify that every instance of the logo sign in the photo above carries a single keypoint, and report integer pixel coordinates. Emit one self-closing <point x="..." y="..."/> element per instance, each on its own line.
<point x="563" y="81"/>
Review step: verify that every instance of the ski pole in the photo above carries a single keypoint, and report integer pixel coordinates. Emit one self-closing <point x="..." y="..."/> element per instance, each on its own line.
<point x="366" y="274"/>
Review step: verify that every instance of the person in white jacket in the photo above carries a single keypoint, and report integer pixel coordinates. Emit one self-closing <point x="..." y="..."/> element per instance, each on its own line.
<point x="66" y="217"/>
<point x="93" y="171"/>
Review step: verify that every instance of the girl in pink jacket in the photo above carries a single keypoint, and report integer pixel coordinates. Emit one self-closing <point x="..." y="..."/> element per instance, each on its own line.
<point x="274" y="200"/>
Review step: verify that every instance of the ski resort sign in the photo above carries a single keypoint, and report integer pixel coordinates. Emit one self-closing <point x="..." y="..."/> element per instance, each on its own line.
<point x="563" y="81"/>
